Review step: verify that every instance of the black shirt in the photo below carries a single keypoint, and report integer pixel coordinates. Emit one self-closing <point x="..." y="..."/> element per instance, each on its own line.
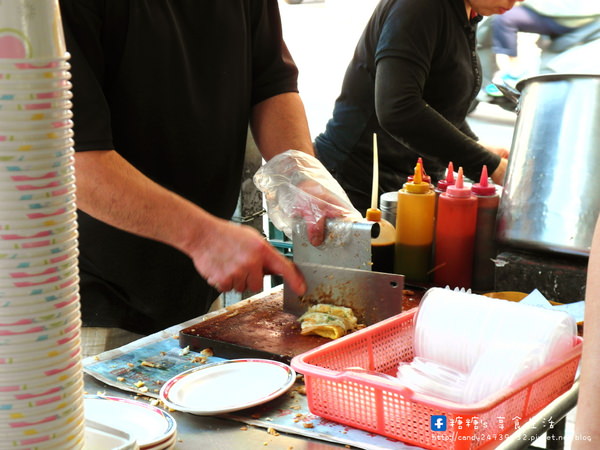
<point x="170" y="86"/>
<point x="411" y="80"/>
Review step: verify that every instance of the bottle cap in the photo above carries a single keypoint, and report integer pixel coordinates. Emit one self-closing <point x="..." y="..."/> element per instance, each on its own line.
<point x="459" y="189"/>
<point x="373" y="214"/>
<point x="424" y="177"/>
<point x="417" y="186"/>
<point x="483" y="187"/>
<point x="442" y="185"/>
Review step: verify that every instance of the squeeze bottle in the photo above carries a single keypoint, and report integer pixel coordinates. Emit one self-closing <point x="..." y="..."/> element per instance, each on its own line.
<point x="442" y="185"/>
<point x="382" y="247"/>
<point x="414" y="228"/>
<point x="455" y="235"/>
<point x="485" y="235"/>
<point x="424" y="177"/>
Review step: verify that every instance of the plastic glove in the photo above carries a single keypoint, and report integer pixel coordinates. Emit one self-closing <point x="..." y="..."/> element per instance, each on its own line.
<point x="297" y="185"/>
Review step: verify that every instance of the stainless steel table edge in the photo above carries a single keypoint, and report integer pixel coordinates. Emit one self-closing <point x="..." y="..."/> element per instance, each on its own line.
<point x="548" y="420"/>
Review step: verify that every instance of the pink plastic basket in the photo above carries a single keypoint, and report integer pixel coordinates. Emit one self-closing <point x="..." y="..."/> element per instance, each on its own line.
<point x="373" y="404"/>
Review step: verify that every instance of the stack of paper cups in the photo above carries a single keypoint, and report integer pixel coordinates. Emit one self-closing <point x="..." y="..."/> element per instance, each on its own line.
<point x="41" y="384"/>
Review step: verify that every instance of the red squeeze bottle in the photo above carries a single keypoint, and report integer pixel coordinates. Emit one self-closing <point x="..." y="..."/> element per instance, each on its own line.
<point x="485" y="235"/>
<point x="455" y="235"/>
<point x="442" y="185"/>
<point x="424" y="177"/>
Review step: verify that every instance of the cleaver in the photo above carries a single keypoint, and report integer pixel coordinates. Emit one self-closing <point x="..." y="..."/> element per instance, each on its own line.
<point x="373" y="296"/>
<point x="346" y="244"/>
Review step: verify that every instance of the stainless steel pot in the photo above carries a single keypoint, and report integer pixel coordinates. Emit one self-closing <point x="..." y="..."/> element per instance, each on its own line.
<point x="551" y="197"/>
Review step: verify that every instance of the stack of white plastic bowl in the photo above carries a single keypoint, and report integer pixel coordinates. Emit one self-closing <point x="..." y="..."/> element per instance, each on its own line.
<point x="494" y="343"/>
<point x="41" y="381"/>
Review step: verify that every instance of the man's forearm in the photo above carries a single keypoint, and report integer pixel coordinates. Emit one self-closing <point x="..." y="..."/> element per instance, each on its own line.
<point x="113" y="191"/>
<point x="279" y="124"/>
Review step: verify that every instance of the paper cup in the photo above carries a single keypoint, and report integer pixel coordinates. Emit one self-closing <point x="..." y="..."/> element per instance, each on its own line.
<point x="49" y="324"/>
<point x="25" y="361"/>
<point x="70" y="371"/>
<point x="60" y="72"/>
<point x="12" y="265"/>
<point x="8" y="118"/>
<point x="18" y="277"/>
<point x="33" y="318"/>
<point x="35" y="84"/>
<point x="15" y="123"/>
<point x="31" y="29"/>
<point x="40" y="423"/>
<point x="41" y="303"/>
<point x="37" y="213"/>
<point x="17" y="236"/>
<point x="47" y="344"/>
<point x="34" y="395"/>
<point x="62" y="130"/>
<point x="58" y="434"/>
<point x="33" y="361"/>
<point x="32" y="429"/>
<point x="46" y="259"/>
<point x="43" y="367"/>
<point x="54" y="275"/>
<point x="46" y="290"/>
<point x="19" y="176"/>
<point x="32" y="185"/>
<point x="20" y="210"/>
<point x="17" y="313"/>
<point x="9" y="66"/>
<point x="37" y="149"/>
<point x="53" y="402"/>
<point x="14" y="94"/>
<point x="33" y="63"/>
<point x="7" y="198"/>
<point x="41" y="252"/>
<point x="42" y="285"/>
<point x="57" y="101"/>
<point x="33" y="334"/>
<point x="57" y="162"/>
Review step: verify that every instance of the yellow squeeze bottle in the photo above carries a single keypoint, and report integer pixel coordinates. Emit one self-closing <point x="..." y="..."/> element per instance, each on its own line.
<point x="415" y="217"/>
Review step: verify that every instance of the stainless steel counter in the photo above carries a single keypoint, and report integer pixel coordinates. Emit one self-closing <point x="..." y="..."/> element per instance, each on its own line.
<point x="213" y="432"/>
<point x="221" y="432"/>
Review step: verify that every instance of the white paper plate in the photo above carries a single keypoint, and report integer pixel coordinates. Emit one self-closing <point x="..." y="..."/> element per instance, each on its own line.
<point x="148" y="424"/>
<point x="227" y="386"/>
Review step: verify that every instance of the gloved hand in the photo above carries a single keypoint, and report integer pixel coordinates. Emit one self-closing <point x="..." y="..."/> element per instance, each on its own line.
<point x="297" y="185"/>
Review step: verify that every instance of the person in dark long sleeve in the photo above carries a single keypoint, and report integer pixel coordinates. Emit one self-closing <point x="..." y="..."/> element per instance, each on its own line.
<point x="411" y="80"/>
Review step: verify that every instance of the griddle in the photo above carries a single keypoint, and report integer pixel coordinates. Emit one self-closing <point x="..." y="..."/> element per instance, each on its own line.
<point x="259" y="328"/>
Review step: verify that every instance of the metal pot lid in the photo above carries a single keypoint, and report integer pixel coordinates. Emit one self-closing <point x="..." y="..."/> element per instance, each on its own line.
<point x="554" y="77"/>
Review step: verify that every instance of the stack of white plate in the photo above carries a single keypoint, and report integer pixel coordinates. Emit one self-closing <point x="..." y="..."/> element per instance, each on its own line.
<point x="41" y="384"/>
<point x="151" y="427"/>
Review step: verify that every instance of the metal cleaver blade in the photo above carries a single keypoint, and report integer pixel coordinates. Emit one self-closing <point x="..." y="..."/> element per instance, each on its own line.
<point x="373" y="296"/>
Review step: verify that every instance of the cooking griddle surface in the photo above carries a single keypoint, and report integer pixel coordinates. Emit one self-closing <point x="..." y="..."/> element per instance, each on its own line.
<point x="258" y="328"/>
